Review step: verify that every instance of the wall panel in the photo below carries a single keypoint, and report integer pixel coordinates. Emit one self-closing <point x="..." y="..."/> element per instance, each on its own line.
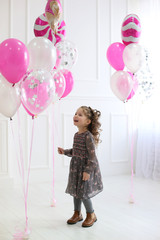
<point x="119" y="138"/>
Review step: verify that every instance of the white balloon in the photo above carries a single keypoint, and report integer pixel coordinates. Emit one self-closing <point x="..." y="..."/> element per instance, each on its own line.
<point x="42" y="54"/>
<point x="121" y="84"/>
<point x="133" y="57"/>
<point x="9" y="98"/>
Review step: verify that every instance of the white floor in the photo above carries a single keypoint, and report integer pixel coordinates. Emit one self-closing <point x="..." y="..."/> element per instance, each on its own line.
<point x="117" y="218"/>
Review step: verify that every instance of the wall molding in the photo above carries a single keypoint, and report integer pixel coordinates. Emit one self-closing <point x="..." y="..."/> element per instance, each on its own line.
<point x="93" y="98"/>
<point x="4" y="147"/>
<point x="113" y="138"/>
<point x="48" y="144"/>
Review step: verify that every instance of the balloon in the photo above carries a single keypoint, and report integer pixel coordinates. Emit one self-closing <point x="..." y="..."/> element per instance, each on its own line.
<point x="134" y="87"/>
<point x="14" y="59"/>
<point x="146" y="79"/>
<point x="49" y="8"/>
<point x="131" y="29"/>
<point x="9" y="98"/>
<point x="60" y="85"/>
<point x="121" y="84"/>
<point x="67" y="54"/>
<point x="42" y="54"/>
<point x="53" y="11"/>
<point x="69" y="82"/>
<point x="37" y="91"/>
<point x="43" y="29"/>
<point x="32" y="115"/>
<point x="133" y="57"/>
<point x="115" y="55"/>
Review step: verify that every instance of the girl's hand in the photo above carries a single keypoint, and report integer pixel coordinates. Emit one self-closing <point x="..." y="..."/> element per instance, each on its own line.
<point x="86" y="176"/>
<point x="60" y="150"/>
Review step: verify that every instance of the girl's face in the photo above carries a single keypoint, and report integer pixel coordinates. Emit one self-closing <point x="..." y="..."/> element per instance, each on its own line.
<point x="80" y="119"/>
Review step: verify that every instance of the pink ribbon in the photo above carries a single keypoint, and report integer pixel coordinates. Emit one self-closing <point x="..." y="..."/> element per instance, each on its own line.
<point x="53" y="200"/>
<point x="26" y="232"/>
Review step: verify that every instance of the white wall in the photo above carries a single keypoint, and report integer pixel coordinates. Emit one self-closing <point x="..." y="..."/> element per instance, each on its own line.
<point x="92" y="25"/>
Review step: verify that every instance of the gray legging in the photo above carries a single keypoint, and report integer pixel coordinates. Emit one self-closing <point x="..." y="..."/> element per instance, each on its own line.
<point x="87" y="203"/>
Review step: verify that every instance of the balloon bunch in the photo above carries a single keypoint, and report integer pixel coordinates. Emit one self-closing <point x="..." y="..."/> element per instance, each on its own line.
<point x="128" y="54"/>
<point x="51" y="26"/>
<point x="35" y="75"/>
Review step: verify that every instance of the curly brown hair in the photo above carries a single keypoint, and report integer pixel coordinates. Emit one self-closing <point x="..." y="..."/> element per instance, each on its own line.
<point x="94" y="126"/>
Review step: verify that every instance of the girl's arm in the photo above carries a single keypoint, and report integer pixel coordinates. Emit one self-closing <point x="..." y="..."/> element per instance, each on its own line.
<point x="92" y="159"/>
<point x="67" y="152"/>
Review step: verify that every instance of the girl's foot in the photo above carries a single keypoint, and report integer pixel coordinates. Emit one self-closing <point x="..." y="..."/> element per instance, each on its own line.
<point x="90" y="220"/>
<point x="77" y="217"/>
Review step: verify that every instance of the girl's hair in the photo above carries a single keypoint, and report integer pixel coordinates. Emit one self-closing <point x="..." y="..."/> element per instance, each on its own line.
<point x="94" y="126"/>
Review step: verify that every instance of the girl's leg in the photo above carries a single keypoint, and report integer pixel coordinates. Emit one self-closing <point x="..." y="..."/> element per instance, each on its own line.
<point x="91" y="217"/>
<point x="88" y="205"/>
<point x="77" y="216"/>
<point x="77" y="204"/>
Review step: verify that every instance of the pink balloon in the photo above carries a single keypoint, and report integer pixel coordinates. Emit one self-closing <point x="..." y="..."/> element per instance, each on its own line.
<point x="43" y="29"/>
<point x="32" y="115"/>
<point x="69" y="82"/>
<point x="60" y="85"/>
<point x="115" y="55"/>
<point x="131" y="29"/>
<point x="121" y="84"/>
<point x="134" y="87"/>
<point x="14" y="59"/>
<point x="37" y="91"/>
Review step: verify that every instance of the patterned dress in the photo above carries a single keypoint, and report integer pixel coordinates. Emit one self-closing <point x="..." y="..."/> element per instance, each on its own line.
<point x="83" y="160"/>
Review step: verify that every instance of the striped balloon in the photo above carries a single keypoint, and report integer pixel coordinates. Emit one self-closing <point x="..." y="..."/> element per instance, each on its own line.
<point x="43" y="29"/>
<point x="131" y="29"/>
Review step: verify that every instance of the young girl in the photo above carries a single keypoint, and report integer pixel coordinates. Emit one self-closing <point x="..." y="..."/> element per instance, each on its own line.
<point x="84" y="178"/>
<point x="53" y="13"/>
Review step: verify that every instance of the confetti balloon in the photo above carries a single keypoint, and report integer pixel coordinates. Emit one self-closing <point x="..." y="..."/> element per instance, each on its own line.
<point x="37" y="91"/>
<point x="66" y="53"/>
<point x="131" y="29"/>
<point x="146" y="79"/>
<point x="43" y="29"/>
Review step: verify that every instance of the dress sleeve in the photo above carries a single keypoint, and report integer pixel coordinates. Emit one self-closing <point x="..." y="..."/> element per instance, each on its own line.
<point x="68" y="152"/>
<point x="92" y="159"/>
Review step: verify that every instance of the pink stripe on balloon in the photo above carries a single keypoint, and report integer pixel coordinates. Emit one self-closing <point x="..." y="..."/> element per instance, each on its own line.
<point x="127" y="43"/>
<point x="41" y="33"/>
<point x="131" y="32"/>
<point x="50" y="37"/>
<point x="133" y="18"/>
<point x="39" y="21"/>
